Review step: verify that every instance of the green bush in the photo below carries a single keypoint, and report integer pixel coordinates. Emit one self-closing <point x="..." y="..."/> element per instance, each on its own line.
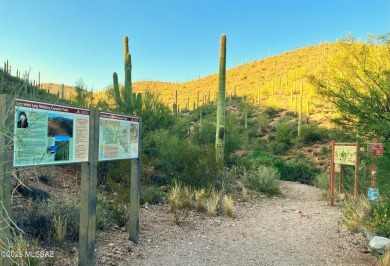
<point x="312" y="133"/>
<point x="379" y="220"/>
<point x="285" y="132"/>
<point x="204" y="134"/>
<point x="263" y="120"/>
<point x="302" y="171"/>
<point x="40" y="217"/>
<point x="271" y="111"/>
<point x="262" y="179"/>
<point x="102" y="218"/>
<point x="260" y="157"/>
<point x="233" y="139"/>
<point x="322" y="181"/>
<point x="277" y="147"/>
<point x="118" y="213"/>
<point x="152" y="195"/>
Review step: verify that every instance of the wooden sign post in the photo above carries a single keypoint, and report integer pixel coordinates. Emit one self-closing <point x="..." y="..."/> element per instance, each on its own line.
<point x="95" y="136"/>
<point x="135" y="188"/>
<point x="6" y="126"/>
<point x="344" y="154"/>
<point x="88" y="195"/>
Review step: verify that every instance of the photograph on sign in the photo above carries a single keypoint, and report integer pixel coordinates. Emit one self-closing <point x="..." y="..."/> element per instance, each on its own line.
<point x="118" y="137"/>
<point x="345" y="155"/>
<point x="49" y="134"/>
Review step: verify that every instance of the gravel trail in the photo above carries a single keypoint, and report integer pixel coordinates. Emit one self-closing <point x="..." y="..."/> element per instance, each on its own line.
<point x="297" y="228"/>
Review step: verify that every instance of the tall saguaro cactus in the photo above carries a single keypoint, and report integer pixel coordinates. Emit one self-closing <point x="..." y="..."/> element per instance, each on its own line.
<point x="220" y="129"/>
<point x="127" y="101"/>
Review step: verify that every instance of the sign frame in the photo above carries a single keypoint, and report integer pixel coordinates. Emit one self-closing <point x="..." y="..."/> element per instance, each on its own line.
<point x="119" y="136"/>
<point x="344" y="154"/>
<point x="49" y="134"/>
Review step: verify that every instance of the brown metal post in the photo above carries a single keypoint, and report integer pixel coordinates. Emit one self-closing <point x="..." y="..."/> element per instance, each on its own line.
<point x="355" y="187"/>
<point x="6" y="124"/>
<point x="88" y="195"/>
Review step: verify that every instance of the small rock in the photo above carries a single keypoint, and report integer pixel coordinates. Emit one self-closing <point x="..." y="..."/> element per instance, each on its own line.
<point x="123" y="229"/>
<point x="111" y="244"/>
<point x="379" y="244"/>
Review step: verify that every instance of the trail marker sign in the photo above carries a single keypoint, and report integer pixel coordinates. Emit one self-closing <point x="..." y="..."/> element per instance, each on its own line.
<point x="376" y="149"/>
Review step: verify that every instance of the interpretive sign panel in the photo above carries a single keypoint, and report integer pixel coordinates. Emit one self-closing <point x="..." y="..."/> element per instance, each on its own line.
<point x="48" y="133"/>
<point x="345" y="154"/>
<point x="118" y="136"/>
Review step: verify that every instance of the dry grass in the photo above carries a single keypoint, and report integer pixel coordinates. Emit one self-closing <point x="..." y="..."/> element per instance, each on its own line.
<point x="244" y="194"/>
<point x="385" y="260"/>
<point x="355" y="212"/>
<point x="200" y="200"/>
<point x="180" y="197"/>
<point x="228" y="205"/>
<point x="212" y="204"/>
<point x="59" y="230"/>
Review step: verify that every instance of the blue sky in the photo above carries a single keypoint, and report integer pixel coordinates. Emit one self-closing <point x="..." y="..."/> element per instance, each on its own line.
<point x="170" y="40"/>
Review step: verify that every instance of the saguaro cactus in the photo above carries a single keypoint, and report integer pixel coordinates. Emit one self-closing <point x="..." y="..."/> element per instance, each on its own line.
<point x="127" y="101"/>
<point x="220" y="129"/>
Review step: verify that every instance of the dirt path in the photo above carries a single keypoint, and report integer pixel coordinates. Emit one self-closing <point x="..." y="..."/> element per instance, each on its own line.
<point x="297" y="228"/>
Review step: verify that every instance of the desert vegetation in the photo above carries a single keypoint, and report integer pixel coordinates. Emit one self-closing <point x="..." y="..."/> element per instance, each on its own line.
<point x="277" y="118"/>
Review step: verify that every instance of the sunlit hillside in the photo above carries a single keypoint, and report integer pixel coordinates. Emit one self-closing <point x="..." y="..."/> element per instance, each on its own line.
<point x="274" y="81"/>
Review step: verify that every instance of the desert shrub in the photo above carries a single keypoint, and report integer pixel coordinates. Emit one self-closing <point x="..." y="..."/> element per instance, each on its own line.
<point x="206" y="110"/>
<point x="102" y="217"/>
<point x="19" y="246"/>
<point x="271" y="111"/>
<point x="355" y="212"/>
<point x="198" y="167"/>
<point x="233" y="140"/>
<point x="226" y="179"/>
<point x="41" y="219"/>
<point x="383" y="180"/>
<point x="151" y="195"/>
<point x="263" y="120"/>
<point x="312" y="133"/>
<point x="155" y="114"/>
<point x="285" y="132"/>
<point x="118" y="213"/>
<point x="277" y="147"/>
<point x="379" y="218"/>
<point x="262" y="157"/>
<point x="302" y="171"/>
<point x="262" y="179"/>
<point x="205" y="134"/>
<point x="322" y="181"/>
<point x="44" y="179"/>
<point x="33" y="192"/>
